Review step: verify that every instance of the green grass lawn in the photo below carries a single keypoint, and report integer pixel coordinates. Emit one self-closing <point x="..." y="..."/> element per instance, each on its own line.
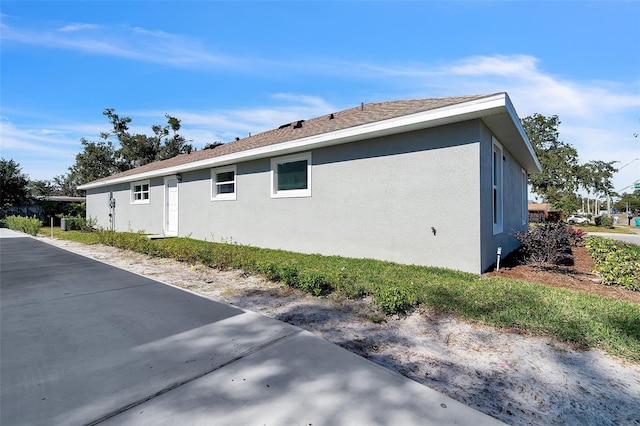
<point x="617" y="229"/>
<point x="588" y="320"/>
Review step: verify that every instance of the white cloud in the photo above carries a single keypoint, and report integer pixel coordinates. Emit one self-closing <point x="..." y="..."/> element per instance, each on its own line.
<point x="123" y="41"/>
<point x="77" y="27"/>
<point x="42" y="153"/>
<point x="41" y="140"/>
<point x="227" y="124"/>
<point x="598" y="117"/>
<point x="535" y="89"/>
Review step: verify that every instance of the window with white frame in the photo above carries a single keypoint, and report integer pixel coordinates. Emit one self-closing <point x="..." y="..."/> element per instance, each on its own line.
<point x="291" y="176"/>
<point x="496" y="186"/>
<point x="223" y="183"/>
<point x="140" y="192"/>
<point x="525" y="198"/>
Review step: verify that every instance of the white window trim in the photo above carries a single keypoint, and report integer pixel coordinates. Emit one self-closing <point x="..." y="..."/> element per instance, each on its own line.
<point x="132" y="193"/>
<point x="224" y="197"/>
<point x="291" y="192"/>
<point x="497" y="187"/>
<point x="525" y="197"/>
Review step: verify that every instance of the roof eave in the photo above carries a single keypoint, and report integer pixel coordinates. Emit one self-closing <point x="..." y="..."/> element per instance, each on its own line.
<point x="508" y="129"/>
<point x="493" y="105"/>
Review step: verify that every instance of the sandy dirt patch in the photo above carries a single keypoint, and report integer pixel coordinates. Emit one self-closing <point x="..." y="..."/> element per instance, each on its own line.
<point x="515" y="378"/>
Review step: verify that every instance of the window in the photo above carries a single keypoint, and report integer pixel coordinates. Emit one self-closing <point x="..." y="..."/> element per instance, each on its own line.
<point x="525" y="198"/>
<point x="496" y="186"/>
<point x="223" y="183"/>
<point x="291" y="176"/>
<point x="140" y="192"/>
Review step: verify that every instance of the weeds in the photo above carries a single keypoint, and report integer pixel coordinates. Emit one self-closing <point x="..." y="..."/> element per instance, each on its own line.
<point x="27" y="225"/>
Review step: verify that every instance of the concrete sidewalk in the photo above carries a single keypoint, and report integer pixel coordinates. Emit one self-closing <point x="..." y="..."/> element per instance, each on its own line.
<point x="627" y="238"/>
<point x="82" y="342"/>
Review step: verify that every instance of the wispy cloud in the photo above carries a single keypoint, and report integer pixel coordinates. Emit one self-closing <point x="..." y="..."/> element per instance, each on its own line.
<point x="225" y="124"/>
<point x="77" y="27"/>
<point x="123" y="41"/>
<point x="599" y="117"/>
<point x="40" y="141"/>
<point x="523" y="76"/>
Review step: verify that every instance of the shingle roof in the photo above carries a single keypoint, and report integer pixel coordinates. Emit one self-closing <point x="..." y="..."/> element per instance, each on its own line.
<point x="362" y="114"/>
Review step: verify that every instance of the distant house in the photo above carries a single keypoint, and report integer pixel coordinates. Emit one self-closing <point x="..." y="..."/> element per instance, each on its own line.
<point x="48" y="207"/>
<point x="439" y="182"/>
<point x="542" y="212"/>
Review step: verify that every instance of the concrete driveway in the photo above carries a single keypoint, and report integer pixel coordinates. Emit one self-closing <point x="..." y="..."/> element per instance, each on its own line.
<point x="82" y="342"/>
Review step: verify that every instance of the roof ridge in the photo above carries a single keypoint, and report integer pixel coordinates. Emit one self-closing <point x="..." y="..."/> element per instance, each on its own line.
<point x="333" y="121"/>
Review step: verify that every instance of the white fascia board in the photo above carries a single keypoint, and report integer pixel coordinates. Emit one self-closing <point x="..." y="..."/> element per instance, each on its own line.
<point x="516" y="121"/>
<point x="421" y="120"/>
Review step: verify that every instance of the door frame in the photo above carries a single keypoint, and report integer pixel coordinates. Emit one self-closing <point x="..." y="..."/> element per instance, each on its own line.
<point x="165" y="217"/>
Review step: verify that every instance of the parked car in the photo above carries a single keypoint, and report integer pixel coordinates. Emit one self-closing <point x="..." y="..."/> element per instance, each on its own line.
<point x="579" y="219"/>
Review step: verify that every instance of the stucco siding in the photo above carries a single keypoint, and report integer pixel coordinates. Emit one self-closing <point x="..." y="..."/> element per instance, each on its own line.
<point x="408" y="181"/>
<point x="147" y="218"/>
<point x="381" y="198"/>
<point x="512" y="198"/>
<point x="98" y="207"/>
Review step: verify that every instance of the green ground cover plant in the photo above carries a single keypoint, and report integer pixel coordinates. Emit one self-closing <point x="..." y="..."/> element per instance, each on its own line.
<point x="28" y="225"/>
<point x="585" y="319"/>
<point x="618" y="263"/>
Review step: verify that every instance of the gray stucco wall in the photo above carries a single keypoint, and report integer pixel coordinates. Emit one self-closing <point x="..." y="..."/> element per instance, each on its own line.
<point x="98" y="206"/>
<point x="147" y="218"/>
<point x="376" y="199"/>
<point x="381" y="198"/>
<point x="513" y="194"/>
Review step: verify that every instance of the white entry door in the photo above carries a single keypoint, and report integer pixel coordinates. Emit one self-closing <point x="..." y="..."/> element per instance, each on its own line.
<point x="171" y="207"/>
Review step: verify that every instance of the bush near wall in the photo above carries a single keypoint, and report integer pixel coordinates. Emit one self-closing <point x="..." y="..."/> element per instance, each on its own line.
<point x="618" y="263"/>
<point x="549" y="243"/>
<point x="28" y="225"/>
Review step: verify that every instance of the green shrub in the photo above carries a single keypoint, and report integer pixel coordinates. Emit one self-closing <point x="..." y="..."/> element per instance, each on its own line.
<point x="604" y="221"/>
<point x="617" y="263"/>
<point x="27" y="225"/>
<point x="395" y="297"/>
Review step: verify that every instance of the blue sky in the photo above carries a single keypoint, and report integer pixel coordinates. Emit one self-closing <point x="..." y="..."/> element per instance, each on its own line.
<point x="228" y="69"/>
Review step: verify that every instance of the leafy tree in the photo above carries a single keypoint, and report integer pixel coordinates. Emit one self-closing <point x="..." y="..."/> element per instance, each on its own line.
<point x="560" y="176"/>
<point x="67" y="183"/>
<point x="139" y="149"/>
<point x="174" y="145"/>
<point x="102" y="159"/>
<point x="596" y="177"/>
<point x="41" y="188"/>
<point x="14" y="185"/>
<point x="96" y="161"/>
<point x="633" y="199"/>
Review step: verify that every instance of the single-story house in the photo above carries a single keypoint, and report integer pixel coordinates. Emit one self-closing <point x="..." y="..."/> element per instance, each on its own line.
<point x="438" y="182"/>
<point x="47" y="207"/>
<point x="542" y="212"/>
